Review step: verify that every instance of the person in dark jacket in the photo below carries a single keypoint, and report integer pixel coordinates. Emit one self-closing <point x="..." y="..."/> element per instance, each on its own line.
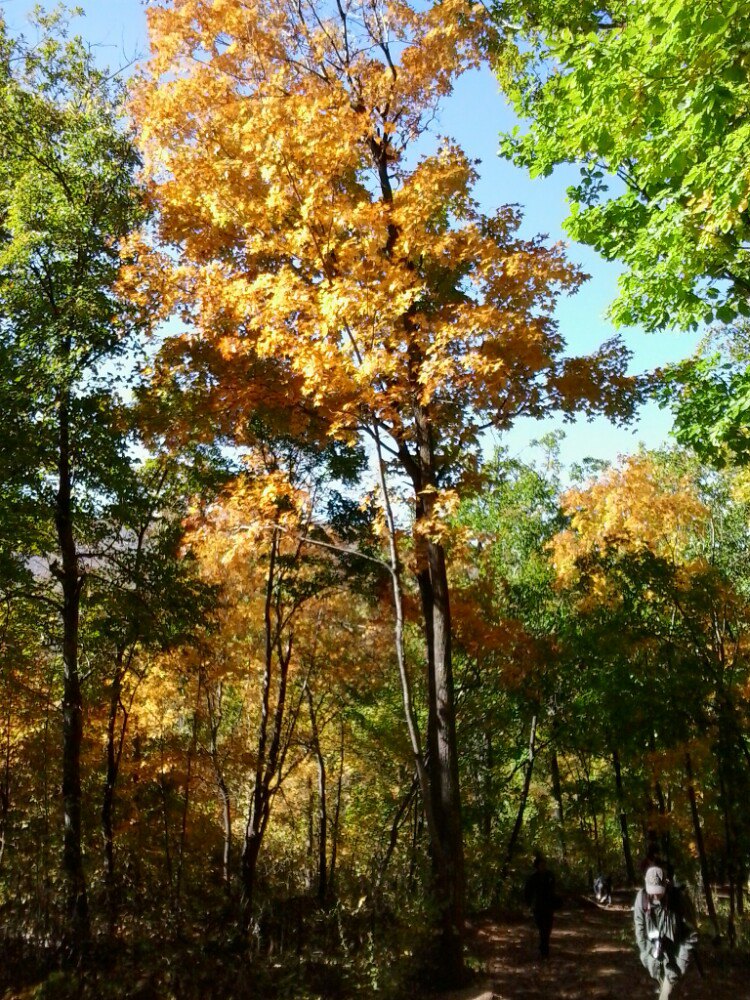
<point x="665" y="937"/>
<point x="540" y="895"/>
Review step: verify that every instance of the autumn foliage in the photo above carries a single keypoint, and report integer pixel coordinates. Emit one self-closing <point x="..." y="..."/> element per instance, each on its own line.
<point x="315" y="673"/>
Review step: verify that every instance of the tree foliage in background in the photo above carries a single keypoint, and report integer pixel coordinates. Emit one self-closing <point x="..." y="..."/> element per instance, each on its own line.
<point x="68" y="197"/>
<point x="709" y="395"/>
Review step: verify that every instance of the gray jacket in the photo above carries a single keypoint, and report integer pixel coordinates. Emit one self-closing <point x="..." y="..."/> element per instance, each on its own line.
<point x="665" y="939"/>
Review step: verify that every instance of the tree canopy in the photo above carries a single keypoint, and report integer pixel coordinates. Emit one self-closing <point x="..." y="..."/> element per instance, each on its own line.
<point x="649" y="98"/>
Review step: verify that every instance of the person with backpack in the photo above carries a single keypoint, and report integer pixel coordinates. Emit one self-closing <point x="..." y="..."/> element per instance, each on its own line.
<point x="540" y="895"/>
<point x="664" y="934"/>
<point x="603" y="889"/>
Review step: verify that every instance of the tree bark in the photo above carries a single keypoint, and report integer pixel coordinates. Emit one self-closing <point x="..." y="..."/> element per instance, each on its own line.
<point x="71" y="580"/>
<point x="269" y="754"/>
<point x="5" y="785"/>
<point x="214" y="704"/>
<point x="528" y="771"/>
<point x="444" y="790"/>
<point x="703" y="860"/>
<point x="554" y="767"/>
<point x="443" y="762"/>
<point x="399" y="819"/>
<point x="115" y="744"/>
<point x="337" y="816"/>
<point x="186" y="798"/>
<point x="488" y="805"/>
<point x="322" y="890"/>
<point x="623" y="817"/>
<point x="440" y="787"/>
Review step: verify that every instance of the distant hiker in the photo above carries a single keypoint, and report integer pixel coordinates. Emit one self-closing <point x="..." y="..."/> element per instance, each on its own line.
<point x="540" y="895"/>
<point x="663" y="933"/>
<point x="603" y="889"/>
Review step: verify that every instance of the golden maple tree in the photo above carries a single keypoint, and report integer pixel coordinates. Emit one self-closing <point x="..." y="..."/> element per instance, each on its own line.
<point x="284" y="142"/>
<point x="636" y="508"/>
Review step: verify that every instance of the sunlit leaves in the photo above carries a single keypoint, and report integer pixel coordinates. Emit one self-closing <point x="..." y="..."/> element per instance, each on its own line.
<point x="309" y="235"/>
<point x="650" y="98"/>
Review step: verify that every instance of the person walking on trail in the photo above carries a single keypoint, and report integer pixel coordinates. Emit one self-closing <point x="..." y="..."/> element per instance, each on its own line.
<point x="665" y="937"/>
<point x="540" y="895"/>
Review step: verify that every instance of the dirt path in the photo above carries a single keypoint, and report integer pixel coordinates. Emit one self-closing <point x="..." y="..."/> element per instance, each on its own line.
<point x="592" y="958"/>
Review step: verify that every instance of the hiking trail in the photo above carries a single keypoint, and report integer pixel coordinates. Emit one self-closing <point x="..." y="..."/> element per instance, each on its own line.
<point x="593" y="957"/>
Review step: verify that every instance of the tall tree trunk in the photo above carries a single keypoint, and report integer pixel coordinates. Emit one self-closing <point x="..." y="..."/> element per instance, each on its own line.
<point x="165" y="821"/>
<point x="322" y="803"/>
<point x="730" y="845"/>
<point x="251" y="847"/>
<point x="69" y="575"/>
<point x="452" y="953"/>
<point x="488" y="803"/>
<point x="270" y="753"/>
<point x="214" y="702"/>
<point x="528" y="770"/>
<point x="115" y="743"/>
<point x="44" y="879"/>
<point x="443" y="763"/>
<point x="554" y="768"/>
<point x="417" y="824"/>
<point x="109" y="782"/>
<point x="226" y="823"/>
<point x="337" y="816"/>
<point x="703" y="860"/>
<point x="448" y="859"/>
<point x="310" y="847"/>
<point x="188" y="788"/>
<point x="591" y="803"/>
<point x="623" y="816"/>
<point x="399" y="819"/>
<point x="5" y="784"/>
<point x="440" y="787"/>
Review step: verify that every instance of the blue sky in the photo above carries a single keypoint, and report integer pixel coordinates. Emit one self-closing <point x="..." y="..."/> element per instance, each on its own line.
<point x="474" y="116"/>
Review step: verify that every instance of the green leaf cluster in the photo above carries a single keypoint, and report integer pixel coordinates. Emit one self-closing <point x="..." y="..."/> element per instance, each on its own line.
<point x="650" y="98"/>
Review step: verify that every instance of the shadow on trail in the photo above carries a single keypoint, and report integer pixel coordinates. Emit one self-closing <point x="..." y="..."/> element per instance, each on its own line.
<point x="592" y="958"/>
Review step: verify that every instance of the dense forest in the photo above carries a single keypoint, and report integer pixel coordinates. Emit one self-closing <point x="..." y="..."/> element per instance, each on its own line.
<point x="298" y="667"/>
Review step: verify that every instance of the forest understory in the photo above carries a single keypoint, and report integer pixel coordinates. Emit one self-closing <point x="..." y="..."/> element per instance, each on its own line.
<point x="593" y="957"/>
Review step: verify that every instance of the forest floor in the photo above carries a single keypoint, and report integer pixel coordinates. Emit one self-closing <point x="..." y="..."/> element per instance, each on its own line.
<point x="592" y="958"/>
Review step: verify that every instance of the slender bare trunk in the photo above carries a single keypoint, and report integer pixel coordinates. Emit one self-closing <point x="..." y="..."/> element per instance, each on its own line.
<point x="399" y="818"/>
<point x="554" y="767"/>
<point x="166" y="825"/>
<point x="488" y="792"/>
<point x="623" y="817"/>
<point x="322" y="891"/>
<point x="528" y="771"/>
<point x="5" y="785"/>
<point x="115" y="743"/>
<point x="214" y="702"/>
<point x="337" y="815"/>
<point x="448" y="859"/>
<point x="270" y="752"/>
<point x="188" y="788"/>
<point x="439" y="784"/>
<point x="700" y="847"/>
